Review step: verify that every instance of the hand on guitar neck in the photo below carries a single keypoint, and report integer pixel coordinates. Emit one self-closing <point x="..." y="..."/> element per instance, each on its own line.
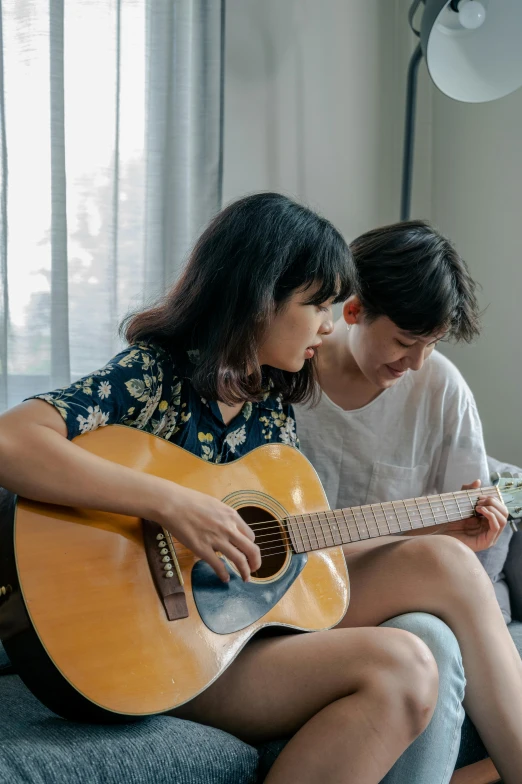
<point x="479" y="531"/>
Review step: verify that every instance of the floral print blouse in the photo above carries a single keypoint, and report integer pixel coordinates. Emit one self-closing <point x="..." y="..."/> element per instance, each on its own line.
<point x="144" y="386"/>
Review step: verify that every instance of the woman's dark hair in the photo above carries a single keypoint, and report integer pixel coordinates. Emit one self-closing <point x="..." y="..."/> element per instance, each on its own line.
<point x="246" y="264"/>
<point x="412" y="274"/>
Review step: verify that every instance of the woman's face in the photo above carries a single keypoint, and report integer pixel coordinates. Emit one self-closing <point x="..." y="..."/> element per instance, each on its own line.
<point x="382" y="351"/>
<point x="296" y="332"/>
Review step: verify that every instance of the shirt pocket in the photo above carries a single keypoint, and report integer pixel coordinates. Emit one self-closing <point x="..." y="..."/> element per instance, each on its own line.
<point x="396" y="483"/>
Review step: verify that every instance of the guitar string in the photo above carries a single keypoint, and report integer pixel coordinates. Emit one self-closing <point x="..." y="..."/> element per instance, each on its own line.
<point x="377" y="515"/>
<point x="373" y="532"/>
<point x="369" y="524"/>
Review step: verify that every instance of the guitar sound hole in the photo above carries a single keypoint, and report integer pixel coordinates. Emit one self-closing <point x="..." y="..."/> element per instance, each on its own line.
<point x="269" y="538"/>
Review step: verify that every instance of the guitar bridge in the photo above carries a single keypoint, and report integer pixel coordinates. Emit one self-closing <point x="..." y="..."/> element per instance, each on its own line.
<point x="165" y="570"/>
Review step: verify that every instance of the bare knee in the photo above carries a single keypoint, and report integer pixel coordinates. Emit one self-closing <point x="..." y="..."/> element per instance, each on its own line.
<point x="453" y="567"/>
<point x="405" y="679"/>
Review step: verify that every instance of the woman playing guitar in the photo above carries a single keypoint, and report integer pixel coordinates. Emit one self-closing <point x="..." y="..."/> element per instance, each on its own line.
<point x="214" y="368"/>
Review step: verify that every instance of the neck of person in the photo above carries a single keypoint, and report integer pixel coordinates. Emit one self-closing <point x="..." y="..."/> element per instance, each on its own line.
<point x="340" y="377"/>
<point x="229" y="412"/>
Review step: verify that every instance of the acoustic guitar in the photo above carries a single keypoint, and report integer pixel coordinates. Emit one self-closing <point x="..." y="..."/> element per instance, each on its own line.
<point x="108" y="618"/>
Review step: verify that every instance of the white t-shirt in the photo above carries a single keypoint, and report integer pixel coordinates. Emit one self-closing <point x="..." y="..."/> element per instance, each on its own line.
<point x="421" y="436"/>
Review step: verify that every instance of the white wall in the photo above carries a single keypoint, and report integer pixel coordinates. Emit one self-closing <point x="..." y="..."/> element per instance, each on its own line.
<point x="476" y="199"/>
<point x="314" y="106"/>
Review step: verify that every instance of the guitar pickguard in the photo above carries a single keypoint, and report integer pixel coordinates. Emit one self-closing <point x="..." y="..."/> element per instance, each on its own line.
<point x="228" y="607"/>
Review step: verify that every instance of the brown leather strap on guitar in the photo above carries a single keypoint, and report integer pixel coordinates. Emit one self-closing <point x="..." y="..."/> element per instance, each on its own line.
<point x="170" y="590"/>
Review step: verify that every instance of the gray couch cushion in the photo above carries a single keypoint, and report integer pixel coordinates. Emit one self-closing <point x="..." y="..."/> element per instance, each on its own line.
<point x="38" y="747"/>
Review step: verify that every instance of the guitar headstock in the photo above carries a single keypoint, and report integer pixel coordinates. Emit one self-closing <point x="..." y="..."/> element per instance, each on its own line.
<point x="510" y="486"/>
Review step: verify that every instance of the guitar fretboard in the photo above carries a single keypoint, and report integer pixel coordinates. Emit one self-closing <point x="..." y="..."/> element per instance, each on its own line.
<point x="320" y="530"/>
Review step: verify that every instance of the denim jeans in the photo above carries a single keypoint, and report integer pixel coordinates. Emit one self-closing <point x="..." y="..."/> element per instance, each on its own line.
<point x="431" y="757"/>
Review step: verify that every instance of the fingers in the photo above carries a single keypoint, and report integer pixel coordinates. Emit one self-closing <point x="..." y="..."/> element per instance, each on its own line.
<point x="246" y="560"/>
<point x="238" y="559"/>
<point x="235" y="540"/>
<point x="495" y="503"/>
<point x="245" y="529"/>
<point x="473" y="486"/>
<point x="207" y="526"/>
<point x="493" y="524"/>
<point x="248" y="548"/>
<point x="217" y="564"/>
<point x="494" y="511"/>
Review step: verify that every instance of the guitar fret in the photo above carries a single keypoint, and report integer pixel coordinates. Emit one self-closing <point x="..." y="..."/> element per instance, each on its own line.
<point x="319" y="533"/>
<point x="445" y="509"/>
<point x="307" y="533"/>
<point x="361" y="508"/>
<point x="343" y="526"/>
<point x="384" y="516"/>
<point x="311" y="527"/>
<point x="408" y="515"/>
<point x="362" y="521"/>
<point x="375" y="520"/>
<point x="458" y="505"/>
<point x="398" y="518"/>
<point x="328" y="530"/>
<point x="295" y="535"/>
<point x="391" y="515"/>
<point x="356" y="524"/>
<point x="431" y="509"/>
<point x="356" y="537"/>
<point x="389" y="521"/>
<point x="392" y="503"/>
<point x="332" y="528"/>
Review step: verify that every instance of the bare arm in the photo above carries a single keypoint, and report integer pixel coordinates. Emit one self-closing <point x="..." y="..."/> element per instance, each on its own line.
<point x="37" y="461"/>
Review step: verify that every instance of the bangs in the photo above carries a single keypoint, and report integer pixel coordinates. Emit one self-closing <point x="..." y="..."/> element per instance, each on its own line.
<point x="335" y="287"/>
<point x="329" y="271"/>
<point x="412" y="274"/>
<point x="429" y="304"/>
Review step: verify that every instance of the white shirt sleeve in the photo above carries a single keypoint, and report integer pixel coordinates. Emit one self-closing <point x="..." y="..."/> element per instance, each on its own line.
<point x="462" y="456"/>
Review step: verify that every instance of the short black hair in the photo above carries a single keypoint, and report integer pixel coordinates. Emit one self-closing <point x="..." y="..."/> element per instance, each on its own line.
<point x="247" y="263"/>
<point x="413" y="274"/>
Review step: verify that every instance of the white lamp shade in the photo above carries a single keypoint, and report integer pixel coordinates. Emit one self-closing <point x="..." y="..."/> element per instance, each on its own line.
<point x="474" y="65"/>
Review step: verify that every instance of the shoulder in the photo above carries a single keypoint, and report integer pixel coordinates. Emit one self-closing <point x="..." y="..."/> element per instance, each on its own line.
<point x="445" y="393"/>
<point x="441" y="376"/>
<point x="140" y="355"/>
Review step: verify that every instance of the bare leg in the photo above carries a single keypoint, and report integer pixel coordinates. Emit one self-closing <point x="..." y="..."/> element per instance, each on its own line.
<point x="440" y="575"/>
<point x="352" y="699"/>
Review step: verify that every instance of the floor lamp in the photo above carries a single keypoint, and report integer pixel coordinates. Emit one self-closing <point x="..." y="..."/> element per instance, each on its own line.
<point x="473" y="52"/>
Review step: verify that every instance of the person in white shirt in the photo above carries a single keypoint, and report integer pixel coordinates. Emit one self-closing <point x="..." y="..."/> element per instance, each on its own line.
<point x="396" y="420"/>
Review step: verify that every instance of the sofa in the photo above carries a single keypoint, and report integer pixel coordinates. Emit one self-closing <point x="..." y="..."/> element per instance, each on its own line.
<point x="38" y="747"/>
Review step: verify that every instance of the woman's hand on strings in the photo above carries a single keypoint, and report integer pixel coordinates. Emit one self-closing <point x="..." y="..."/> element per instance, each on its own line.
<point x="207" y="527"/>
<point x="481" y="531"/>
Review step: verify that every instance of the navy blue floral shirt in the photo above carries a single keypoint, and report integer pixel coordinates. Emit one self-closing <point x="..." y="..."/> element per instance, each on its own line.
<point x="145" y="387"/>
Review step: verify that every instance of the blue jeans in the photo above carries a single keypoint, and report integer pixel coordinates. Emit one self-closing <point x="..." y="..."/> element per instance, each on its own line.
<point x="431" y="757"/>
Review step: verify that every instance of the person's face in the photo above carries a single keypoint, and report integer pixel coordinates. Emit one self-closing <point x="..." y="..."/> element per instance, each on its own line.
<point x="382" y="351"/>
<point x="295" y="332"/>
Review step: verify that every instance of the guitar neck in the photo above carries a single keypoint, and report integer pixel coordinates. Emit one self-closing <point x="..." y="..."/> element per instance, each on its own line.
<point x="320" y="530"/>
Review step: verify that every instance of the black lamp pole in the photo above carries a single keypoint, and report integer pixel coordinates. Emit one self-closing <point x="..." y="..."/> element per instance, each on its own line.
<point x="409" y="133"/>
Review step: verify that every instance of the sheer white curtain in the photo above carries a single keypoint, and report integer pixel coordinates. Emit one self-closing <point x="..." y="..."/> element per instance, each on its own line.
<point x="111" y="163"/>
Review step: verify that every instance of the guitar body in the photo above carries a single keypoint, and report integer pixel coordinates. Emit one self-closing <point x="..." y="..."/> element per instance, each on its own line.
<point x="82" y="619"/>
